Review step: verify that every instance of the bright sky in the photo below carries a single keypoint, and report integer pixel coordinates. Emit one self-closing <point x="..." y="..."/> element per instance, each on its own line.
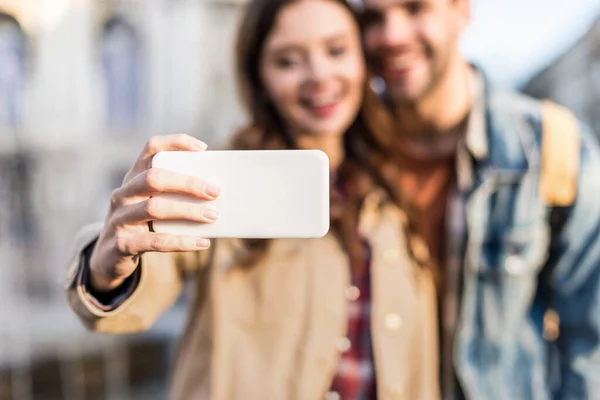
<point x="514" y="39"/>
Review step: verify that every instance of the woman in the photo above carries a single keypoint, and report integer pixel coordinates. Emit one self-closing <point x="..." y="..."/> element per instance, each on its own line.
<point x="280" y="319"/>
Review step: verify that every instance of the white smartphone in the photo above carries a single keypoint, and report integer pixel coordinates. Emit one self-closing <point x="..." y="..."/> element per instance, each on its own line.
<point x="264" y="193"/>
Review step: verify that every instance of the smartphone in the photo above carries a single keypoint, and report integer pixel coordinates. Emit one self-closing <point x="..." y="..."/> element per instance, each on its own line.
<point x="264" y="193"/>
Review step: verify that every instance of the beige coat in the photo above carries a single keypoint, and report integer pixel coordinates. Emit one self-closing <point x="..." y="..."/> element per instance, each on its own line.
<point x="270" y="332"/>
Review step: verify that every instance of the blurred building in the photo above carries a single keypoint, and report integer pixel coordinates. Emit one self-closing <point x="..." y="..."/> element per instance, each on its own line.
<point x="574" y="79"/>
<point x="83" y="84"/>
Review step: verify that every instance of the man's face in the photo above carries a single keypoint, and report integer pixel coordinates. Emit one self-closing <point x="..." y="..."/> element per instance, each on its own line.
<point x="412" y="43"/>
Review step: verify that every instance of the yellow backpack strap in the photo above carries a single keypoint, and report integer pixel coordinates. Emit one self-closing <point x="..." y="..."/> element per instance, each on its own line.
<point x="560" y="155"/>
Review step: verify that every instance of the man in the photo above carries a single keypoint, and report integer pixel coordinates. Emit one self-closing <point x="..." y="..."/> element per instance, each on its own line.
<point x="471" y="158"/>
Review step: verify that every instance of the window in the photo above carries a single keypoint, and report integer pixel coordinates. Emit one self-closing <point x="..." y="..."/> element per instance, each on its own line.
<point x="121" y="67"/>
<point x="12" y="69"/>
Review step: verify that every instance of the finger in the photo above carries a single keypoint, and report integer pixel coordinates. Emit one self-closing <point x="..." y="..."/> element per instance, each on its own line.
<point x="157" y="208"/>
<point x="177" y="142"/>
<point x="140" y="242"/>
<point x="155" y="180"/>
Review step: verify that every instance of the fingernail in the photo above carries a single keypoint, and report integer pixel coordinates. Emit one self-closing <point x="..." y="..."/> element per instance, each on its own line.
<point x="200" y="145"/>
<point x="210" y="214"/>
<point x="211" y="190"/>
<point x="203" y="243"/>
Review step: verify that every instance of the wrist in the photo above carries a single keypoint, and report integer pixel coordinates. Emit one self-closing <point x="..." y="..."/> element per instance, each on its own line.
<point x="101" y="283"/>
<point x="99" y="280"/>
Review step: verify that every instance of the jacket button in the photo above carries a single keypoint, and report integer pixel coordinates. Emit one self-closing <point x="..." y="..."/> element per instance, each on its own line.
<point x="551" y="326"/>
<point x="514" y="265"/>
<point x="343" y="344"/>
<point x="332" y="396"/>
<point x="393" y="321"/>
<point x="352" y="293"/>
<point x="419" y="249"/>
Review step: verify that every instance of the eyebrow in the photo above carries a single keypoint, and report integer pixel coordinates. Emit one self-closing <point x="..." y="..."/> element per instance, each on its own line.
<point x="367" y="7"/>
<point x="283" y="47"/>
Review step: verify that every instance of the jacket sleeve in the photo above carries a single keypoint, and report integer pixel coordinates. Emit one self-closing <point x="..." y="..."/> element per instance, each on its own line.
<point x="575" y="283"/>
<point x="157" y="285"/>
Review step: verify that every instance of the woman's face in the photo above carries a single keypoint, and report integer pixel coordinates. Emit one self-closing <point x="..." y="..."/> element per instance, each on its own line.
<point x="312" y="67"/>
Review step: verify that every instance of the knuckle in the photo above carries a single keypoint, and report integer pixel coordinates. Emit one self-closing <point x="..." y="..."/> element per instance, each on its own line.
<point x="192" y="186"/>
<point x="153" y="144"/>
<point x="152" y="208"/>
<point x="159" y="243"/>
<point x="115" y="198"/>
<point x="181" y="138"/>
<point x="154" y="178"/>
<point x="114" y="221"/>
<point x="122" y="243"/>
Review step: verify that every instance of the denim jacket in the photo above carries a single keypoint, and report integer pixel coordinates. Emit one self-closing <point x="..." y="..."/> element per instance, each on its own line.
<point x="499" y="349"/>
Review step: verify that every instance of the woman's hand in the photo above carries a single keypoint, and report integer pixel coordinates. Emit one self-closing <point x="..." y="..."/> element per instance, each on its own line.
<point x="126" y="232"/>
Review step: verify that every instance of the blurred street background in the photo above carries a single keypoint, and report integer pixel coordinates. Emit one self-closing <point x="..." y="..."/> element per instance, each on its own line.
<point x="84" y="83"/>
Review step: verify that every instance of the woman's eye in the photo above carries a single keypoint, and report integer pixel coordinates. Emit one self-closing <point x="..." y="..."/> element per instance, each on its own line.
<point x="286" y="62"/>
<point x="337" y="51"/>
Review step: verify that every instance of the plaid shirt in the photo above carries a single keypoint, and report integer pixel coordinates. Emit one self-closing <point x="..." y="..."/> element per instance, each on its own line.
<point x="355" y="375"/>
<point x="449" y="305"/>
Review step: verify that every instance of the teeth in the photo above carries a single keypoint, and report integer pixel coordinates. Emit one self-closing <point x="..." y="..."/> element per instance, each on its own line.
<point x="322" y="101"/>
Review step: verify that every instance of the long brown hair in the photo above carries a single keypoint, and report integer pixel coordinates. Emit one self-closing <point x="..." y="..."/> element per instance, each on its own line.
<point x="267" y="129"/>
